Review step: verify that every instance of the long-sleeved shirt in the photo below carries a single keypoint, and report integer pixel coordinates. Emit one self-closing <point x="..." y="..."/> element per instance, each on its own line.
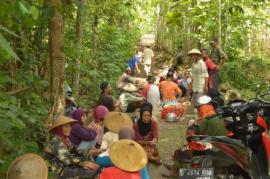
<point x="153" y="133"/>
<point x="80" y="133"/>
<point x="99" y="129"/>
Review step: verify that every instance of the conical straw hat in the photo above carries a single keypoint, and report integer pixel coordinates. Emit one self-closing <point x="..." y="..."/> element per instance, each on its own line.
<point x="28" y="166"/>
<point x="194" y="51"/>
<point x="61" y="120"/>
<point x="128" y="155"/>
<point x="114" y="121"/>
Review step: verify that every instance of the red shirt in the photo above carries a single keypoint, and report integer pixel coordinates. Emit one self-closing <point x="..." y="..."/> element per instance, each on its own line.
<point x="209" y="64"/>
<point x="116" y="173"/>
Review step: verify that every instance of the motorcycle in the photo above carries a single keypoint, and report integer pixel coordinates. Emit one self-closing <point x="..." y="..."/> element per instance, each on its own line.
<point x="245" y="151"/>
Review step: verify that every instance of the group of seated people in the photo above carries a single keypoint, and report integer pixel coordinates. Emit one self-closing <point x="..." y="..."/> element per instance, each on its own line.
<point x="80" y="149"/>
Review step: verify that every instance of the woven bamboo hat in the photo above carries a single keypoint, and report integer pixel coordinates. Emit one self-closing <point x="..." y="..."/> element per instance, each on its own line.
<point x="128" y="155"/>
<point x="28" y="166"/>
<point x="114" y="121"/>
<point x="194" y="51"/>
<point x="61" y="120"/>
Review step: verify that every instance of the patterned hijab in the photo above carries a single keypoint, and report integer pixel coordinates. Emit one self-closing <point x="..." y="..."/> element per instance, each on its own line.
<point x="99" y="113"/>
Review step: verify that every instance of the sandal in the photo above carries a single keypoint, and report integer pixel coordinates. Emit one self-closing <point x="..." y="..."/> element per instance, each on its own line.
<point x="168" y="165"/>
<point x="169" y="175"/>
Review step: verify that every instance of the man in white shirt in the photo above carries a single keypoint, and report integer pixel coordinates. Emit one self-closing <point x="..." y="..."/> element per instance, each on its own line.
<point x="147" y="54"/>
<point x="199" y="84"/>
<point x="152" y="94"/>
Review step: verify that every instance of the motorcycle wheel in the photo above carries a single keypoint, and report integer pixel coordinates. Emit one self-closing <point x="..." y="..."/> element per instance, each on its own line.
<point x="256" y="171"/>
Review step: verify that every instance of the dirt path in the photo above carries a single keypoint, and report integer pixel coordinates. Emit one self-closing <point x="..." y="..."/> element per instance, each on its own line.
<point x="172" y="135"/>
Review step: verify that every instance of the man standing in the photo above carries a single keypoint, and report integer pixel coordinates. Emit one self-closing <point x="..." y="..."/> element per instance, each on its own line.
<point x="213" y="74"/>
<point x="199" y="84"/>
<point x="179" y="56"/>
<point x="147" y="54"/>
<point x="217" y="54"/>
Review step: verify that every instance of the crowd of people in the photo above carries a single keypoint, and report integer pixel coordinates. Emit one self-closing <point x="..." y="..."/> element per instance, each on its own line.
<point x="112" y="145"/>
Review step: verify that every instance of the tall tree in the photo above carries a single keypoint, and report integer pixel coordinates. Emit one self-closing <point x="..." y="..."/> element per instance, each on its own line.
<point x="79" y="37"/>
<point x="57" y="57"/>
<point x="219" y="21"/>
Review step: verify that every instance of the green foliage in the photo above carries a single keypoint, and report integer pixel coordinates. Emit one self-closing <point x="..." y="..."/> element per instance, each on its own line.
<point x="22" y="128"/>
<point x="246" y="74"/>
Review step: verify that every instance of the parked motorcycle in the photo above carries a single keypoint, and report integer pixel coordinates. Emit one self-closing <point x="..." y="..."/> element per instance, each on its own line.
<point x="245" y="152"/>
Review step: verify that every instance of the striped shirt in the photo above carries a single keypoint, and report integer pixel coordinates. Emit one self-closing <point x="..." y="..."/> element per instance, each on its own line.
<point x="99" y="129"/>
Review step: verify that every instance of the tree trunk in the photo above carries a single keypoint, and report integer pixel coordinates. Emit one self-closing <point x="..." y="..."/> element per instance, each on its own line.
<point x="57" y="58"/>
<point x="79" y="37"/>
<point x="161" y="25"/>
<point x="219" y="22"/>
<point x="227" y="24"/>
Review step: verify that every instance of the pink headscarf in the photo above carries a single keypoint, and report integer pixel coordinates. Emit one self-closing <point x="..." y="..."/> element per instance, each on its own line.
<point x="99" y="113"/>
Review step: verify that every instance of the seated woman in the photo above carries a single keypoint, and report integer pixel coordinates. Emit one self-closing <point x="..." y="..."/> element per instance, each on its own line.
<point x="97" y="125"/>
<point x="106" y="99"/>
<point x="169" y="90"/>
<point x="81" y="136"/>
<point x="70" y="163"/>
<point x="128" y="158"/>
<point x="146" y="133"/>
<point x="104" y="161"/>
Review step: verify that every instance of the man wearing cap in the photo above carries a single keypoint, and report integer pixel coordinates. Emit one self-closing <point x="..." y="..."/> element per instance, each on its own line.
<point x="217" y="54"/>
<point x="199" y="84"/>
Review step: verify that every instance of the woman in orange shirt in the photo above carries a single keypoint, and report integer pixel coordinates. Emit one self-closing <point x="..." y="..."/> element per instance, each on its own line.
<point x="169" y="90"/>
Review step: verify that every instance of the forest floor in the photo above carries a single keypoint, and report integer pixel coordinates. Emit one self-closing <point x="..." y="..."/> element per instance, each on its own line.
<point x="171" y="135"/>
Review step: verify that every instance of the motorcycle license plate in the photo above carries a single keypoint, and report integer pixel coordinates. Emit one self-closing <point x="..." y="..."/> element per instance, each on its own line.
<point x="196" y="173"/>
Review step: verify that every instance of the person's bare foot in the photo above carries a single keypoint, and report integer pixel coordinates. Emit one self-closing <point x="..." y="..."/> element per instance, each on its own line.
<point x="156" y="160"/>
